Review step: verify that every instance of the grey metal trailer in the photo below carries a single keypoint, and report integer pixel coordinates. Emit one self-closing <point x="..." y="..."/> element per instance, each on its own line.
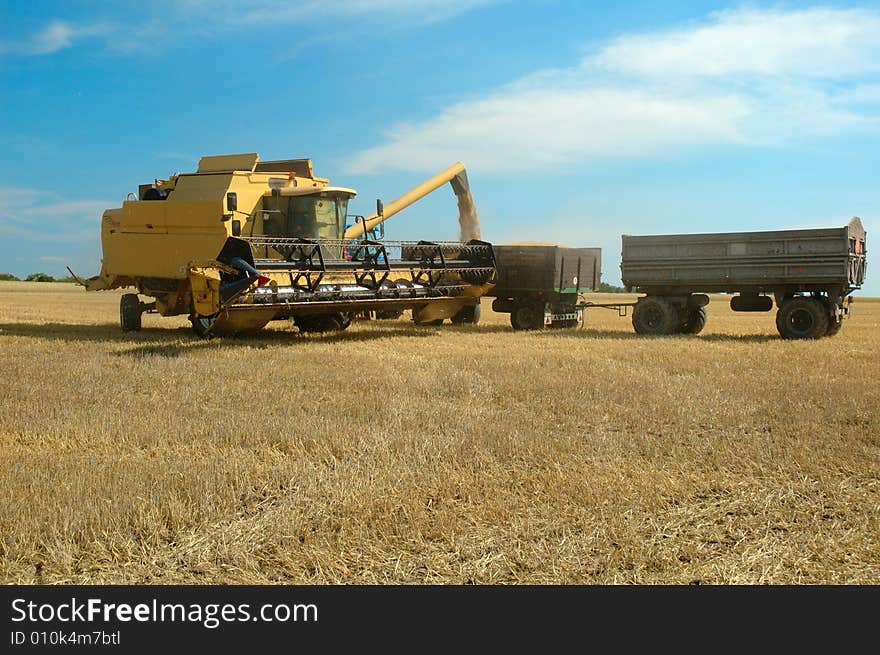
<point x="538" y="284"/>
<point x="809" y="273"/>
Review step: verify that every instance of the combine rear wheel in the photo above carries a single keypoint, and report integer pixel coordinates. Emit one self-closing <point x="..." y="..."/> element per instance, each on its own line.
<point x="130" y="312"/>
<point x="802" y="318"/>
<point x="655" y="315"/>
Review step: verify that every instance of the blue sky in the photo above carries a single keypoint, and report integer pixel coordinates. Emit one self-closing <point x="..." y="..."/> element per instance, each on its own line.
<point x="577" y="121"/>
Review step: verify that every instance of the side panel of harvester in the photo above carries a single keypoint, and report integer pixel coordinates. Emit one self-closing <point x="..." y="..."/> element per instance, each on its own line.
<point x="809" y="273"/>
<point x="538" y="284"/>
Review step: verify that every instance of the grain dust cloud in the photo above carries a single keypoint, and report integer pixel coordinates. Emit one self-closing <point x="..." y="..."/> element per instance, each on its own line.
<point x="468" y="221"/>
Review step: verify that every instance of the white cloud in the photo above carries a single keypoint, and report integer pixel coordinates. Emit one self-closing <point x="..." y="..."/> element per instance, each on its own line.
<point x="743" y="77"/>
<point x="262" y="11"/>
<point x="516" y="130"/>
<point x="86" y="210"/>
<point x="810" y="42"/>
<point x="146" y="25"/>
<point x="59" y="35"/>
<point x="37" y="214"/>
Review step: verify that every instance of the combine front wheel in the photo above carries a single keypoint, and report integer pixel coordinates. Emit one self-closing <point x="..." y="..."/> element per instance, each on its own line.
<point x="202" y="325"/>
<point x="467" y="314"/>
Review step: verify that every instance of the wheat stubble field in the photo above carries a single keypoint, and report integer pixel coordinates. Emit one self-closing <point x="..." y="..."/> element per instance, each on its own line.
<point x="400" y="454"/>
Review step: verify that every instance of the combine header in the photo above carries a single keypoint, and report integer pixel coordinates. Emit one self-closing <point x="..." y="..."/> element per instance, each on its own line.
<point x="241" y="242"/>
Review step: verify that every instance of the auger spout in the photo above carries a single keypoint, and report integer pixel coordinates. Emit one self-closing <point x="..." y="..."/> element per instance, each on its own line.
<point x="456" y="175"/>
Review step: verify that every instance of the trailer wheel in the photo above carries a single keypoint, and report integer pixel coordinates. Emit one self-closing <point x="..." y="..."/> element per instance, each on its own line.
<point x="695" y="322"/>
<point x="655" y="315"/>
<point x="802" y="318"/>
<point x="130" y="312"/>
<point x="834" y="326"/>
<point x="467" y="314"/>
<point x="527" y="316"/>
<point x="835" y="323"/>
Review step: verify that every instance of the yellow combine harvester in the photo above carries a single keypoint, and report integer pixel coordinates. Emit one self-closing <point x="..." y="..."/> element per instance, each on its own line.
<point x="242" y="242"/>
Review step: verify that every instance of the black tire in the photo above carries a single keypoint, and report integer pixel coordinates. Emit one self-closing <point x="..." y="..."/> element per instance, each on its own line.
<point x="130" y="312"/>
<point x="802" y="318"/>
<point x="655" y="315"/>
<point x="335" y="322"/>
<point x="202" y="325"/>
<point x="389" y="315"/>
<point x="695" y="322"/>
<point x="834" y="322"/>
<point x="467" y="314"/>
<point x="527" y="316"/>
<point x="834" y="326"/>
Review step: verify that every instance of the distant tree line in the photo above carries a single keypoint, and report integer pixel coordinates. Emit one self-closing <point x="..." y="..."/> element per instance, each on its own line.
<point x="34" y="277"/>
<point x="604" y="287"/>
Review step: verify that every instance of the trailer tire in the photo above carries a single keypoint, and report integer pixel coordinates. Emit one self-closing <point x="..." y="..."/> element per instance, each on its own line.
<point x="835" y="323"/>
<point x="695" y="322"/>
<point x="527" y="316"/>
<point x="834" y="326"/>
<point x="655" y="315"/>
<point x="130" y="312"/>
<point x="802" y="318"/>
<point x="467" y="314"/>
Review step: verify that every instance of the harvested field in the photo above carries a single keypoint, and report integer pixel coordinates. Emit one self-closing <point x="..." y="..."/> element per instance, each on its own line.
<point x="400" y="454"/>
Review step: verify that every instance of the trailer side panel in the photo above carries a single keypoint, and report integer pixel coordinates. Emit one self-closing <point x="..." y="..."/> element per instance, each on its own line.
<point x="753" y="261"/>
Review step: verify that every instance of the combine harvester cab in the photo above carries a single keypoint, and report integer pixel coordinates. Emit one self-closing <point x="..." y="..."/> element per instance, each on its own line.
<point x="241" y="242"/>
